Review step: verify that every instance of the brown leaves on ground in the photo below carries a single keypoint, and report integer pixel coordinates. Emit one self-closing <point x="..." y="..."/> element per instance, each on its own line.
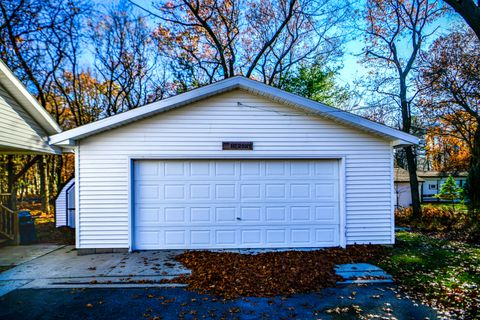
<point x="268" y="274"/>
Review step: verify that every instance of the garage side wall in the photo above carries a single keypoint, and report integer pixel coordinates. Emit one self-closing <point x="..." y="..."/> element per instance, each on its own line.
<point x="198" y="130"/>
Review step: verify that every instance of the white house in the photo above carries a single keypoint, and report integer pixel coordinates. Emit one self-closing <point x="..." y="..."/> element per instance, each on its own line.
<point x="430" y="183"/>
<point x="24" y="125"/>
<point x="235" y="164"/>
<point x="433" y="181"/>
<point x="403" y="196"/>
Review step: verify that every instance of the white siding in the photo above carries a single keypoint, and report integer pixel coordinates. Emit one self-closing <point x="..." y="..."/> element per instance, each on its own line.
<point x="403" y="196"/>
<point x="18" y="131"/>
<point x="61" y="205"/>
<point x="198" y="130"/>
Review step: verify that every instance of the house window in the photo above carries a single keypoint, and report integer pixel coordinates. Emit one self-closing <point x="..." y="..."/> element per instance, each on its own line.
<point x="432" y="186"/>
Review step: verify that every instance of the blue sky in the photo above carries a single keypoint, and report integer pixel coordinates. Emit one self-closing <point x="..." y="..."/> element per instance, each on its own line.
<point x="352" y="68"/>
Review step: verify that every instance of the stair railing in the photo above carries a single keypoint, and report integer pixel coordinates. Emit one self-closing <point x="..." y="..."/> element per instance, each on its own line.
<point x="8" y="219"/>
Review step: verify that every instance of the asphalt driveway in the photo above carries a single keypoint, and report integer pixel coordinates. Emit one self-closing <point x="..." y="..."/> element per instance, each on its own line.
<point x="61" y="284"/>
<point x="346" y="302"/>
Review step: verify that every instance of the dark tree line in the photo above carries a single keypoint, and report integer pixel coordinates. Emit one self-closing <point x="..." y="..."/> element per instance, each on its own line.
<point x="85" y="61"/>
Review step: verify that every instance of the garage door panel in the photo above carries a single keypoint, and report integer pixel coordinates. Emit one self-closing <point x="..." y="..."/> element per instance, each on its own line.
<point x="327" y="214"/>
<point x="174" y="192"/>
<point x="235" y="203"/>
<point x="225" y="214"/>
<point x="147" y="169"/>
<point x="226" y="191"/>
<point x="168" y="214"/>
<point x="251" y="168"/>
<point x="201" y="215"/>
<point x="251" y="214"/>
<point x="275" y="214"/>
<point x="275" y="191"/>
<point x="326" y="169"/>
<point x="149" y="216"/>
<point x="175" y="215"/>
<point x="147" y="191"/>
<point x="200" y="169"/>
<point x="245" y="237"/>
<point x="200" y="192"/>
<point x="225" y="168"/>
<point x="161" y="192"/>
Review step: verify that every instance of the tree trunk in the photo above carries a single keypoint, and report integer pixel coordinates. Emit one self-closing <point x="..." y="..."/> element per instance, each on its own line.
<point x="11" y="181"/>
<point x="51" y="177"/>
<point x="412" y="172"/>
<point x="44" y="196"/>
<point x="58" y="173"/>
<point x="469" y="11"/>
<point x="409" y="152"/>
<point x="472" y="185"/>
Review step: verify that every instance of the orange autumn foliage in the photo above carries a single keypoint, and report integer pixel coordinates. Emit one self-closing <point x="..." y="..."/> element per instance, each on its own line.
<point x="448" y="144"/>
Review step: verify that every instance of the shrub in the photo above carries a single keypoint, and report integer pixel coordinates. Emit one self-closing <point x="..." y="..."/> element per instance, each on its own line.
<point x="433" y="218"/>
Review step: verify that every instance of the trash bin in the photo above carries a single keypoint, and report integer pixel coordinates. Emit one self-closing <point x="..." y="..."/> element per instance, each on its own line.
<point x="26" y="226"/>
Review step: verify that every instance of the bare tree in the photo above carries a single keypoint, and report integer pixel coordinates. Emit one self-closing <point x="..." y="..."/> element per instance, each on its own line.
<point x="126" y="61"/>
<point x="34" y="41"/>
<point x="209" y="40"/>
<point x="395" y="33"/>
<point x="450" y="74"/>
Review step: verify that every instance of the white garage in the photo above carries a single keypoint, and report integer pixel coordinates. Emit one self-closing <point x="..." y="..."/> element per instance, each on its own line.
<point x="236" y="204"/>
<point x="235" y="164"/>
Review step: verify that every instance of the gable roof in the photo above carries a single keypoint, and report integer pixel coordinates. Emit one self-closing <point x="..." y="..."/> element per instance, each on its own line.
<point x="239" y="82"/>
<point x="439" y="174"/>
<point x="27" y="101"/>
<point x="402" y="175"/>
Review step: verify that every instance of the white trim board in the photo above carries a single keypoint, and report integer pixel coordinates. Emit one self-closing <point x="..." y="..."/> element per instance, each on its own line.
<point x="397" y="137"/>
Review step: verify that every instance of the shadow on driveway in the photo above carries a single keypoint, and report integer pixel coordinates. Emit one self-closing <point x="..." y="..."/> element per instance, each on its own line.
<point x="348" y="302"/>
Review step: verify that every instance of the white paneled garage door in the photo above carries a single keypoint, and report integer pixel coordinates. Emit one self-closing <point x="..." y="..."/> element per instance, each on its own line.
<point x="235" y="203"/>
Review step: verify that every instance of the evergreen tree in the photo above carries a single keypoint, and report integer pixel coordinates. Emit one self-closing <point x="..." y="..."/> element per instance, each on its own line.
<point x="449" y="191"/>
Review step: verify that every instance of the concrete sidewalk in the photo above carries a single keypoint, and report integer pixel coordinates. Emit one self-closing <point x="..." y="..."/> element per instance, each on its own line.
<point x="16" y="255"/>
<point x="63" y="268"/>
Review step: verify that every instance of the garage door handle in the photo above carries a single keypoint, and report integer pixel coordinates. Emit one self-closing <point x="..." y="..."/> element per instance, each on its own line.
<point x="238" y="218"/>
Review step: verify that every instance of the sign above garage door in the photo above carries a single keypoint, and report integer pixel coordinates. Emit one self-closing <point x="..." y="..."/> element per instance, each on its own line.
<point x="204" y="204"/>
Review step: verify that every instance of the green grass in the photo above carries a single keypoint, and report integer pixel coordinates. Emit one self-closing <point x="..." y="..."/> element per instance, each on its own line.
<point x="441" y="273"/>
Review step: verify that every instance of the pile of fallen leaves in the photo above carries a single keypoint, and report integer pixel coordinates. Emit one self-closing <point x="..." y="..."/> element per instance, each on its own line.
<point x="268" y="274"/>
<point x="48" y="233"/>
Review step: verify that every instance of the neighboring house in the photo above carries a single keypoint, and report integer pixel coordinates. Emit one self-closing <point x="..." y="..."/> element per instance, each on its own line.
<point x="403" y="196"/>
<point x="65" y="206"/>
<point x="235" y="164"/>
<point x="433" y="181"/>
<point x="24" y="125"/>
<point x="430" y="183"/>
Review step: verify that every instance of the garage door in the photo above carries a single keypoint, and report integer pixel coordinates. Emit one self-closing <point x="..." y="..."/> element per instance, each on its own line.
<point x="235" y="204"/>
